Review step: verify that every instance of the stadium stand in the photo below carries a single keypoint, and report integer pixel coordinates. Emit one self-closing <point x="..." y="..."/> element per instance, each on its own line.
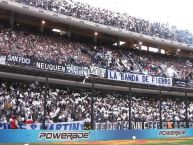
<point x="25" y="100"/>
<point x="22" y="41"/>
<point x="110" y="18"/>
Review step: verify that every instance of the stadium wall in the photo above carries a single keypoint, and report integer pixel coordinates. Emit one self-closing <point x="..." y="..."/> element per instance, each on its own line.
<point x="26" y="136"/>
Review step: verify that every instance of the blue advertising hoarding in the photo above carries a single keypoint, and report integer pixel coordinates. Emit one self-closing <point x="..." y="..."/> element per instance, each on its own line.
<point x="32" y="136"/>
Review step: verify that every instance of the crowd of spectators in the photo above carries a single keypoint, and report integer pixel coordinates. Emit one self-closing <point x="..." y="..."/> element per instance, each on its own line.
<point x="111" y="18"/>
<point x="42" y="47"/>
<point x="25" y="100"/>
<point x="58" y="49"/>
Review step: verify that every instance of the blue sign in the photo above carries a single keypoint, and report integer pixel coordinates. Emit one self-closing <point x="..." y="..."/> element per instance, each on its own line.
<point x="32" y="136"/>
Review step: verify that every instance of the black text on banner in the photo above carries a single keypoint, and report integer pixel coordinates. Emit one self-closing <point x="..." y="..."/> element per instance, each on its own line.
<point x="138" y="78"/>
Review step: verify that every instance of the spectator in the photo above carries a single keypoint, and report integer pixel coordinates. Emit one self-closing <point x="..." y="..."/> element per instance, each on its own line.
<point x="110" y="18"/>
<point x="14" y="122"/>
<point x="69" y="104"/>
<point x="62" y="50"/>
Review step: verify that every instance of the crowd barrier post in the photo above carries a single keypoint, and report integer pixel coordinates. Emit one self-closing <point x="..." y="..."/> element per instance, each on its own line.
<point x="45" y="101"/>
<point x="130" y="126"/>
<point x="160" y="107"/>
<point x="92" y="104"/>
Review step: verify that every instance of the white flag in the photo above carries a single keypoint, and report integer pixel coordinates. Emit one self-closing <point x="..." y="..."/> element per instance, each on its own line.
<point x="2" y="60"/>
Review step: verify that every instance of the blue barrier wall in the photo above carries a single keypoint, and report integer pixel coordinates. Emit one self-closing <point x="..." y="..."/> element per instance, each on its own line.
<point x="25" y="136"/>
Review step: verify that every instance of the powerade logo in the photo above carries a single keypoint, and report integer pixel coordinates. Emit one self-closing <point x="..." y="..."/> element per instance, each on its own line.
<point x="172" y="132"/>
<point x="63" y="135"/>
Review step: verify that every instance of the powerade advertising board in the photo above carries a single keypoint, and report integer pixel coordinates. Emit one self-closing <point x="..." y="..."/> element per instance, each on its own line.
<point x="32" y="136"/>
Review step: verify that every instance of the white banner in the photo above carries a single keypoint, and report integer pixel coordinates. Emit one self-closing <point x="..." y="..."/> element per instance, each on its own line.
<point x="77" y="70"/>
<point x="3" y="60"/>
<point x="97" y="71"/>
<point x="138" y="78"/>
<point x="75" y="125"/>
<point x="120" y="125"/>
<point x="124" y="125"/>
